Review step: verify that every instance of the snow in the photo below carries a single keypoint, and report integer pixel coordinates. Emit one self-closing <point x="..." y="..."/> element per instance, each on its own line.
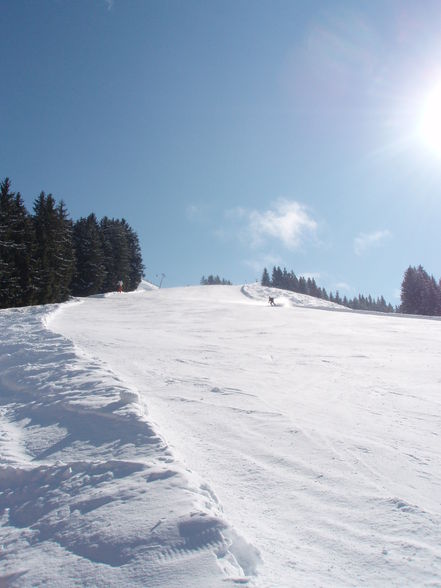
<point x="199" y="437"/>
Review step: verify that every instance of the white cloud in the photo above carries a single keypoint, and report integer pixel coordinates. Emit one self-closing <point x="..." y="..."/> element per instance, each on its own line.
<point x="366" y="241"/>
<point x="287" y="221"/>
<point x="109" y="4"/>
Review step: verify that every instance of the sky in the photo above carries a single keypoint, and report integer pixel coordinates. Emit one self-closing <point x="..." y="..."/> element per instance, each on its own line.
<point x="235" y="135"/>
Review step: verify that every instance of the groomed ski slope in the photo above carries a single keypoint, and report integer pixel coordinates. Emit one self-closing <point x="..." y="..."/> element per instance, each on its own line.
<point x="199" y="437"/>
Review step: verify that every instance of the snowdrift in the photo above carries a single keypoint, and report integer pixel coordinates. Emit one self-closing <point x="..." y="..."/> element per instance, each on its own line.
<point x="89" y="493"/>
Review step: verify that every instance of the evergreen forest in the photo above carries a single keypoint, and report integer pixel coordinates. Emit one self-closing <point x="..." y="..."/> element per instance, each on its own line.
<point x="214" y="280"/>
<point x="45" y="257"/>
<point x="420" y="293"/>
<point x="287" y="280"/>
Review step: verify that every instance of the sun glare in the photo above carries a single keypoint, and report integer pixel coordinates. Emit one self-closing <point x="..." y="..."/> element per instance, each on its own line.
<point x="430" y="124"/>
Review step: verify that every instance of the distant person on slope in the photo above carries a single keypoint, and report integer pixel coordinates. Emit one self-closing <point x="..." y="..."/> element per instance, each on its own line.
<point x="271" y="301"/>
<point x="120" y="286"/>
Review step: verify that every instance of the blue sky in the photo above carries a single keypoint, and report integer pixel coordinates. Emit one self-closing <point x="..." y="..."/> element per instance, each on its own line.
<point x="234" y="134"/>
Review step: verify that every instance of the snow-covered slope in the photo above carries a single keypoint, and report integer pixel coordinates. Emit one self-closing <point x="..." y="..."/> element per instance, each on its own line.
<point x="198" y="437"/>
<point x="287" y="298"/>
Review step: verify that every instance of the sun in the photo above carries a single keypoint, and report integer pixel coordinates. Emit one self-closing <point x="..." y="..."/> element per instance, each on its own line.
<point x="430" y="122"/>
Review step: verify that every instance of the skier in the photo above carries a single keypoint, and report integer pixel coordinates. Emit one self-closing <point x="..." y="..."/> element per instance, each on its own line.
<point x="271" y="301"/>
<point x="120" y="286"/>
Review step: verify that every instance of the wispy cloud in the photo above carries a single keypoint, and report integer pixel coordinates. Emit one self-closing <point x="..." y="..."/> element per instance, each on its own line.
<point x="109" y="4"/>
<point x="365" y="241"/>
<point x="286" y="221"/>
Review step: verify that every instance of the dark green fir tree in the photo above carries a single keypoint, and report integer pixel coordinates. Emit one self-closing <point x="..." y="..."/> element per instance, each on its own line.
<point x="16" y="250"/>
<point x="90" y="271"/>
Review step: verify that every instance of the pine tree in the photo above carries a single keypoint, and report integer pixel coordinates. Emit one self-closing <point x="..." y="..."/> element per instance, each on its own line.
<point x="16" y="243"/>
<point x="136" y="266"/>
<point x="265" y="281"/>
<point x="293" y="282"/>
<point x="312" y="288"/>
<point x="302" y="285"/>
<point x="284" y="284"/>
<point x="65" y="255"/>
<point x="90" y="269"/>
<point x="276" y="277"/>
<point x="54" y="254"/>
<point x="431" y="296"/>
<point x="25" y="260"/>
<point x="44" y="224"/>
<point x="116" y="253"/>
<point x="411" y="291"/>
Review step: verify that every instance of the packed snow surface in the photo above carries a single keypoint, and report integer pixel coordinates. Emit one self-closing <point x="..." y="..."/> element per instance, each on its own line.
<point x="197" y="437"/>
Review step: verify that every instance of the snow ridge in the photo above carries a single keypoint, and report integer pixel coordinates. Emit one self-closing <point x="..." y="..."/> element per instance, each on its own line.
<point x="86" y="482"/>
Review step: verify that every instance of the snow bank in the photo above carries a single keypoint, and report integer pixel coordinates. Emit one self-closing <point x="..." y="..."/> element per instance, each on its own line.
<point x="89" y="493"/>
<point x="146" y="286"/>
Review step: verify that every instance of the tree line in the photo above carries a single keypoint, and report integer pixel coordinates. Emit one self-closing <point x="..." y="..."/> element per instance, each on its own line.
<point x="214" y="280"/>
<point x="45" y="257"/>
<point x="287" y="280"/>
<point x="420" y="292"/>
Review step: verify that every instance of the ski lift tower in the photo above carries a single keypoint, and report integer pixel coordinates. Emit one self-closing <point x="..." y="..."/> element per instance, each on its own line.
<point x="162" y="277"/>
